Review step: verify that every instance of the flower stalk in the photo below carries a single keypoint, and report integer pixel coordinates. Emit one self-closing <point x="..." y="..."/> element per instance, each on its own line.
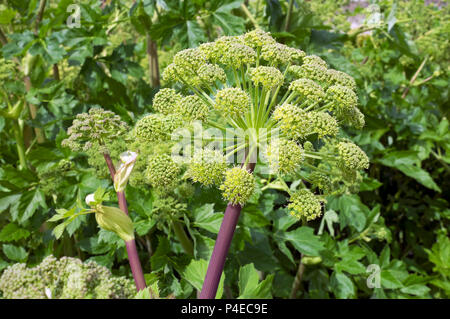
<point x="133" y="257"/>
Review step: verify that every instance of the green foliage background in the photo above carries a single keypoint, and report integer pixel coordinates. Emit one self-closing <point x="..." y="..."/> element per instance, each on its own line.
<point x="399" y="221"/>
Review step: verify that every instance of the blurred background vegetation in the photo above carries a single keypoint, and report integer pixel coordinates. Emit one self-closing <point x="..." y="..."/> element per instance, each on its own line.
<point x="54" y="66"/>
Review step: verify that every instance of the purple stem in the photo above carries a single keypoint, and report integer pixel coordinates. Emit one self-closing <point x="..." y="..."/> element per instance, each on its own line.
<point x="221" y="247"/>
<point x="133" y="258"/>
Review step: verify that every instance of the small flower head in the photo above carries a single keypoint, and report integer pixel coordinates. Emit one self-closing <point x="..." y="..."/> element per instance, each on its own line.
<point x="192" y="108"/>
<point x="315" y="60"/>
<point x="165" y="100"/>
<point x="308" y="146"/>
<point x="257" y="38"/>
<point x="321" y="181"/>
<point x="314" y="72"/>
<point x="341" y="78"/>
<point x="156" y="127"/>
<point x="304" y="204"/>
<point x="276" y="53"/>
<point x="162" y="172"/>
<point x="207" y="167"/>
<point x="343" y="100"/>
<point x="296" y="54"/>
<point x="238" y="185"/>
<point x="232" y="102"/>
<point x="210" y="73"/>
<point x="98" y="126"/>
<point x="189" y="60"/>
<point x="230" y="51"/>
<point x="308" y="89"/>
<point x="351" y="156"/>
<point x="323" y="124"/>
<point x="284" y="156"/>
<point x="169" y="74"/>
<point x="355" y="118"/>
<point x="294" y="122"/>
<point x="268" y="76"/>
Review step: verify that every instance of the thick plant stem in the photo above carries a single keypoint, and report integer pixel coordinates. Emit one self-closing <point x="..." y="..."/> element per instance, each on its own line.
<point x="219" y="254"/>
<point x="152" y="54"/>
<point x="20" y="146"/>
<point x="298" y="279"/>
<point x="133" y="257"/>
<point x="186" y="243"/>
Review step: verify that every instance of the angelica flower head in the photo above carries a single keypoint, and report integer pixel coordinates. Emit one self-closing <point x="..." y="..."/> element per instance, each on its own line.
<point x="352" y="156"/>
<point x="257" y="38"/>
<point x="232" y="102"/>
<point x="293" y="121"/>
<point x="162" y="172"/>
<point x="156" y="127"/>
<point x="267" y="76"/>
<point x="316" y="72"/>
<point x="207" y="167"/>
<point x="265" y="93"/>
<point x="238" y="185"/>
<point x="166" y="100"/>
<point x="98" y="127"/>
<point x="341" y="78"/>
<point x="284" y="156"/>
<point x="308" y="89"/>
<point x="304" y="204"/>
<point x="192" y="108"/>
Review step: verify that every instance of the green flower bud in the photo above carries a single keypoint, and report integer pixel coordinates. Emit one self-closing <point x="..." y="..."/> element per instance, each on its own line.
<point x="210" y="73"/>
<point x="284" y="156"/>
<point x="268" y="76"/>
<point x="232" y="102"/>
<point x="343" y="100"/>
<point x="304" y="204"/>
<point x="231" y="51"/>
<point x="115" y="220"/>
<point x="322" y="181"/>
<point x="308" y="146"/>
<point x="207" y="167"/>
<point x="238" y="185"/>
<point x="166" y="100"/>
<point x="341" y="78"/>
<point x="162" y="172"/>
<point x="355" y="118"/>
<point x="188" y="60"/>
<point x="323" y="124"/>
<point x="192" y="108"/>
<point x="314" y="72"/>
<point x="351" y="156"/>
<point x="169" y="74"/>
<point x="315" y="60"/>
<point x="308" y="89"/>
<point x="296" y="54"/>
<point x="156" y="127"/>
<point x="294" y="122"/>
<point x="276" y="53"/>
<point x="257" y="38"/>
<point x="310" y="261"/>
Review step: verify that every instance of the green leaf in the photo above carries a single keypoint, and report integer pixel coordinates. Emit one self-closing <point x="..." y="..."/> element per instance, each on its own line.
<point x="420" y="175"/>
<point x="351" y="266"/>
<point x="249" y="286"/>
<point x="204" y="217"/>
<point x="248" y="279"/>
<point x="15" y="253"/>
<point x="389" y="280"/>
<point x="12" y="232"/>
<point x="342" y="286"/>
<point x="195" y="274"/>
<point x="304" y="240"/>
